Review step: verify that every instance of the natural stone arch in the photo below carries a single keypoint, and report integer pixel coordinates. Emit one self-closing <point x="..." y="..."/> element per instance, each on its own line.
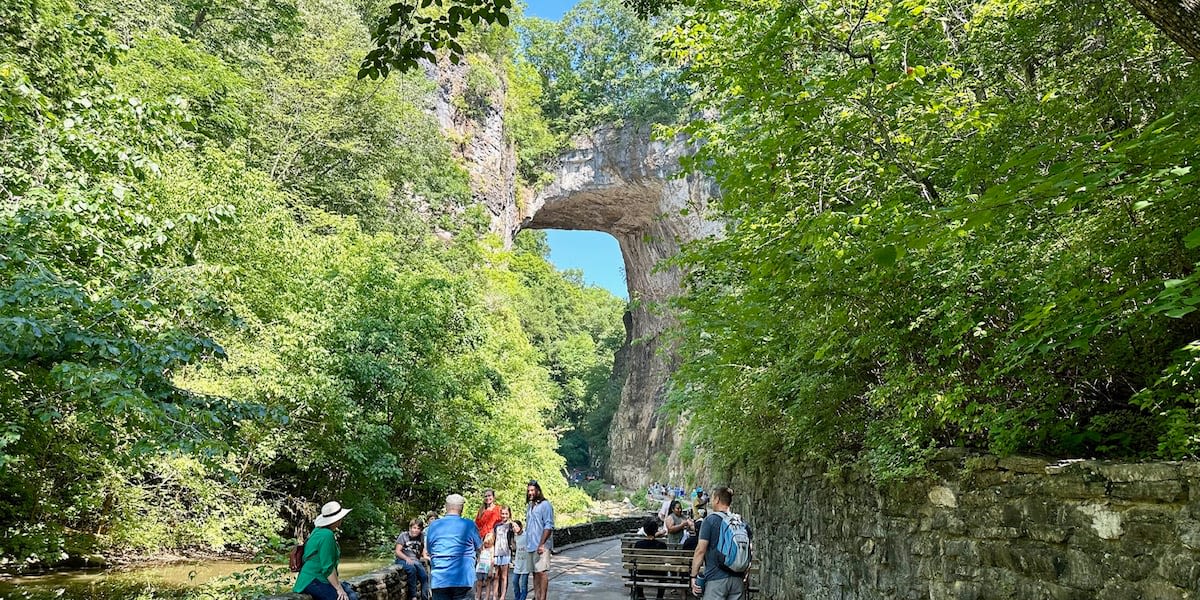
<point x="616" y="180"/>
<point x="621" y="182"/>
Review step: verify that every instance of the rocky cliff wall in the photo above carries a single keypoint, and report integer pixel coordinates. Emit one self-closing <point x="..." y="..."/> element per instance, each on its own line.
<point x="616" y="180"/>
<point x="622" y="182"/>
<point x="1009" y="528"/>
<point x="476" y="132"/>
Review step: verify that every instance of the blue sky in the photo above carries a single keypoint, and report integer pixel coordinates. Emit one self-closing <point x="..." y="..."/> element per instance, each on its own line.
<point x="548" y="9"/>
<point x="596" y="254"/>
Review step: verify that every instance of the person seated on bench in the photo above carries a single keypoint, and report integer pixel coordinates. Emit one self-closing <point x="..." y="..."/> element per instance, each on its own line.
<point x="689" y="540"/>
<point x="676" y="523"/>
<point x="650" y="542"/>
<point x="662" y="528"/>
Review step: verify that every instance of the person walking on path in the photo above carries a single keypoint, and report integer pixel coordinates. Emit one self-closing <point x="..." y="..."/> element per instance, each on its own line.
<point x="452" y="544"/>
<point x="319" y="575"/>
<point x="410" y="546"/>
<point x="539" y="540"/>
<point x="717" y="582"/>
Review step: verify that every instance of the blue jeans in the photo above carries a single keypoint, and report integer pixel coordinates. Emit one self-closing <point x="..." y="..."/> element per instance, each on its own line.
<point x="416" y="575"/>
<point x="322" y="590"/>
<point x="520" y="586"/>
<point x="452" y="593"/>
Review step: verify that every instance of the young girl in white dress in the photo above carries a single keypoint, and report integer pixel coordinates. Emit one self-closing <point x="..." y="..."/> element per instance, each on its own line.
<point x="505" y="536"/>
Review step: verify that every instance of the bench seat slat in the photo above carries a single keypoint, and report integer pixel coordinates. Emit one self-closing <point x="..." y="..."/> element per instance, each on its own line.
<point x="671" y="585"/>
<point x="653" y="564"/>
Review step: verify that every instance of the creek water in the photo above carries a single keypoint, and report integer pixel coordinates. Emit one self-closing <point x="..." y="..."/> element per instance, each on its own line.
<point x="175" y="581"/>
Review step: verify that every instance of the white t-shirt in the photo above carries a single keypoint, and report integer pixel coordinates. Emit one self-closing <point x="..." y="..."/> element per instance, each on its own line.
<point x="501" y="531"/>
<point x="521" y="564"/>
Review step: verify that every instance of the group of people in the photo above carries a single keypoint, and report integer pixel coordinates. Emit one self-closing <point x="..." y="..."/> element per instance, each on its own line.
<point x="710" y="578"/>
<point x="464" y="557"/>
<point x="666" y="494"/>
<point x="578" y="476"/>
<point x="477" y="557"/>
<point x="660" y="490"/>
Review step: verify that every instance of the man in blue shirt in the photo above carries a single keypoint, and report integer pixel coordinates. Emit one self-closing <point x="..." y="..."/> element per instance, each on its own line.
<point x="539" y="531"/>
<point x="452" y="544"/>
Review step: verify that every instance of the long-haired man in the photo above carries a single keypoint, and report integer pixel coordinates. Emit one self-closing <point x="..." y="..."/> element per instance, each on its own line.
<point x="539" y="536"/>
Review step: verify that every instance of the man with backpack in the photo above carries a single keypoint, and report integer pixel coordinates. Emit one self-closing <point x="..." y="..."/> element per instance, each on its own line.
<point x="723" y="549"/>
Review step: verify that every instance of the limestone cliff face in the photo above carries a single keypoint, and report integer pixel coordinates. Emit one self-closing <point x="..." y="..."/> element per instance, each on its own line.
<point x="619" y="181"/>
<point x="476" y="131"/>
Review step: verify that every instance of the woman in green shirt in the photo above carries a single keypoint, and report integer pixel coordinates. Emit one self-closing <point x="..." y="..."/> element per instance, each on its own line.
<point x="319" y="575"/>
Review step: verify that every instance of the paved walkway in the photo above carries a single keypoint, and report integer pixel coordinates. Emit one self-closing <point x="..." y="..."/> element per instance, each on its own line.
<point x="591" y="571"/>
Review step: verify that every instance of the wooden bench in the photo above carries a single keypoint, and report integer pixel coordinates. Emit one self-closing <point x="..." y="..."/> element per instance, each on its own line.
<point x="655" y="569"/>
<point x="629" y="539"/>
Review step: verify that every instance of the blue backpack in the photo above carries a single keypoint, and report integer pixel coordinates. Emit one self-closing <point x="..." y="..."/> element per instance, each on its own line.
<point x="733" y="543"/>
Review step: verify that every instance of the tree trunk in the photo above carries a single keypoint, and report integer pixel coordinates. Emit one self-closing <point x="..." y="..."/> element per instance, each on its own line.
<point x="1179" y="19"/>
<point x="198" y="22"/>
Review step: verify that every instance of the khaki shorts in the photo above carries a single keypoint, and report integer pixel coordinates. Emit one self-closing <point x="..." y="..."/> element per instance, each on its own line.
<point x="539" y="563"/>
<point x="727" y="588"/>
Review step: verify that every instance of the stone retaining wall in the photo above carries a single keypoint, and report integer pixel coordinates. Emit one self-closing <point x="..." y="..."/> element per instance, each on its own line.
<point x="599" y="529"/>
<point x="390" y="583"/>
<point x="983" y="527"/>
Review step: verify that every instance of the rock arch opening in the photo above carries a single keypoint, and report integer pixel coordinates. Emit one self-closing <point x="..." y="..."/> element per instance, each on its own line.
<point x="622" y="182"/>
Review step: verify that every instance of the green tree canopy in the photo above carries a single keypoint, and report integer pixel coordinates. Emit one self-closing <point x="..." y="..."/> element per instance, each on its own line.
<point x="600" y="66"/>
<point x="219" y="288"/>
<point x="954" y="223"/>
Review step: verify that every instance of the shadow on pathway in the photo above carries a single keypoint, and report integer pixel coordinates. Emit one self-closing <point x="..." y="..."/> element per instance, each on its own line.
<point x="590" y="571"/>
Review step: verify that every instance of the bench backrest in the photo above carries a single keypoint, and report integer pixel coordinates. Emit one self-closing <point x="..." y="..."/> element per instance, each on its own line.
<point x="671" y="560"/>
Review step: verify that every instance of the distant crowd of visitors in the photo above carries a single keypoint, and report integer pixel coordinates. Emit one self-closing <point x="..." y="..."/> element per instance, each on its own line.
<point x="448" y="557"/>
<point x="698" y="499"/>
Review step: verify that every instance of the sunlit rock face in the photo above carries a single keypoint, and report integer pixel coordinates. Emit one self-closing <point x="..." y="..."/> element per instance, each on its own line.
<point x="621" y="182"/>
<point x="616" y="180"/>
<point x="477" y="138"/>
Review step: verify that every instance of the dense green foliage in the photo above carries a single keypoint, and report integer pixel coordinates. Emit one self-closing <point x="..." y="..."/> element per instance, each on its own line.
<point x="219" y="299"/>
<point x="526" y="124"/>
<point x="409" y="32"/>
<point x="949" y="223"/>
<point x="578" y="331"/>
<point x="600" y="66"/>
